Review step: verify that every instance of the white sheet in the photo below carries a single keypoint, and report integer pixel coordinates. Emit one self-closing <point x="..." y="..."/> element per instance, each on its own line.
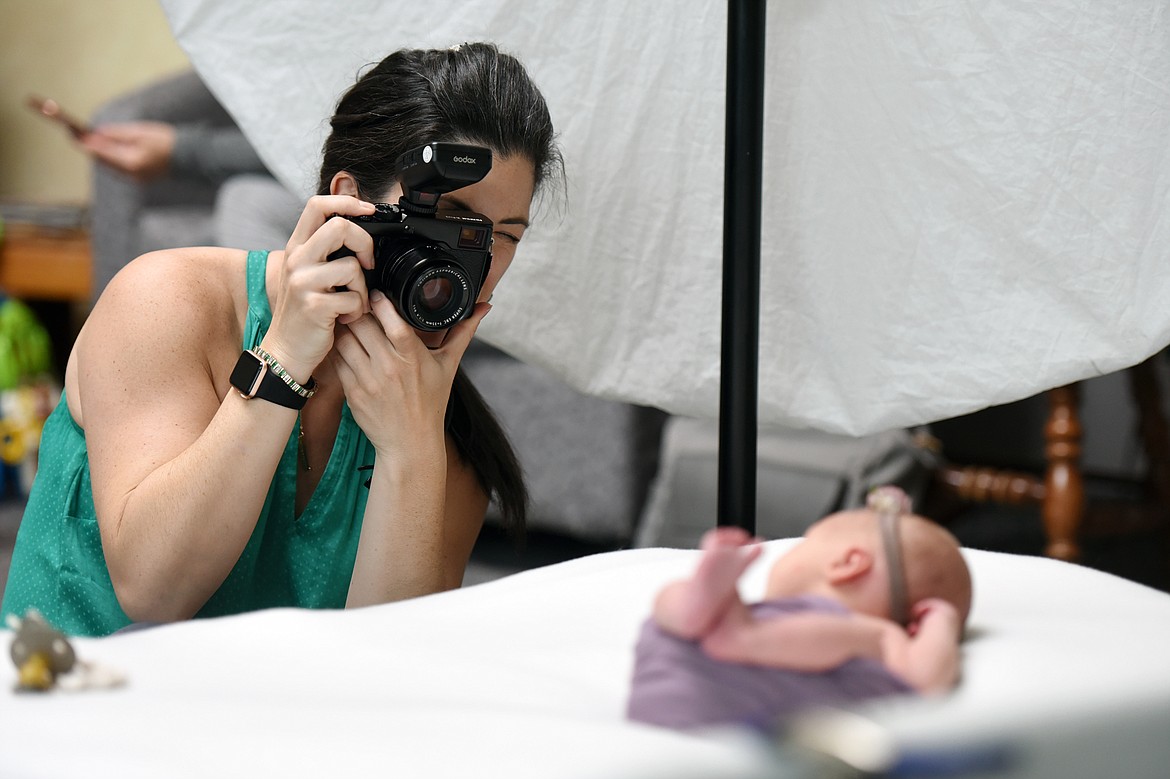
<point x="964" y="202"/>
<point x="527" y="677"/>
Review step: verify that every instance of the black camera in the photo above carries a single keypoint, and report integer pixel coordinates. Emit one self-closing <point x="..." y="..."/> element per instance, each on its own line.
<point x="431" y="265"/>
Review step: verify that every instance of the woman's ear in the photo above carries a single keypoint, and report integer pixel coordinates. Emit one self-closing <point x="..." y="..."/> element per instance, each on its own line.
<point x="849" y="565"/>
<point x="343" y="184"/>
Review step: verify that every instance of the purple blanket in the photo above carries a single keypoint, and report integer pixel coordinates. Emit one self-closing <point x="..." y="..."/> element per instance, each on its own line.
<point x="676" y="685"/>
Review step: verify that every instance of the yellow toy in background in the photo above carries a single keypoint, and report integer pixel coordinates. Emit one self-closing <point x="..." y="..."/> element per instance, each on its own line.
<point x="45" y="660"/>
<point x="40" y="652"/>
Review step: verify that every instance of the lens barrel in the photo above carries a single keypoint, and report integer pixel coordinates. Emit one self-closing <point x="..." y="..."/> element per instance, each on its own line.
<point x="431" y="290"/>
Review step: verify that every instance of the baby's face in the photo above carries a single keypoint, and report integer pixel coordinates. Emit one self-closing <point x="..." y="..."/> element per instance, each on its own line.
<point x="841" y="556"/>
<point x="801" y="567"/>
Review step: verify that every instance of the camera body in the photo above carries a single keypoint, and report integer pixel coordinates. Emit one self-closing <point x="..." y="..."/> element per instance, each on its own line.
<point x="431" y="265"/>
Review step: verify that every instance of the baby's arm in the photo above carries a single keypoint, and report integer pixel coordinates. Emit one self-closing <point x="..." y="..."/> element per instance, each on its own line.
<point x="928" y="656"/>
<point x="811" y="643"/>
<point x="689" y="608"/>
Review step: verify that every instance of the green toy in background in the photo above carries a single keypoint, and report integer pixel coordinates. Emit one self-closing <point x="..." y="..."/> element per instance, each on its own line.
<point x="26" y="351"/>
<point x="28" y="392"/>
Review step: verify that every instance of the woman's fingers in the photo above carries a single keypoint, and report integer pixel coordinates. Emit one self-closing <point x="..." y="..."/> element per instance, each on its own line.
<point x="336" y="288"/>
<point x="322" y="209"/>
<point x="386" y="338"/>
<point x="349" y="349"/>
<point x="308" y="271"/>
<point x="459" y="337"/>
<point x="386" y="335"/>
<point x="405" y="338"/>
<point x="402" y="336"/>
<point x="334" y="235"/>
<point x="312" y="299"/>
<point x="314" y="291"/>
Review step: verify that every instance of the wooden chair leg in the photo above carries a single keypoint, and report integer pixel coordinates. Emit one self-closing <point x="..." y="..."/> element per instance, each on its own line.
<point x="1063" y="506"/>
<point x="1143" y="383"/>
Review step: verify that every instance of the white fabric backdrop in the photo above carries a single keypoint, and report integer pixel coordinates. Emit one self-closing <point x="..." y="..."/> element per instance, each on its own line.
<point x="964" y="203"/>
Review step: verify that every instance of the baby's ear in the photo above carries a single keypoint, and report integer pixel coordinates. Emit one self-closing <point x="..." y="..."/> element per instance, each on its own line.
<point x="850" y="564"/>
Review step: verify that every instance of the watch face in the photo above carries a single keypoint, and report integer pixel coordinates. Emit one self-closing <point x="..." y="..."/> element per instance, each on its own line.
<point x="248" y="374"/>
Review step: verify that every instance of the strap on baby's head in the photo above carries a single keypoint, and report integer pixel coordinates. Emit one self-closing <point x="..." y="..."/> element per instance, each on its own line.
<point x="890" y="503"/>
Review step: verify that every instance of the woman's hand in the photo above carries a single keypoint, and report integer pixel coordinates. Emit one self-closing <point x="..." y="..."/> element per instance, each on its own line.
<point x="141" y="150"/>
<point x="420" y="520"/>
<point x="397" y="388"/>
<point x="315" y="293"/>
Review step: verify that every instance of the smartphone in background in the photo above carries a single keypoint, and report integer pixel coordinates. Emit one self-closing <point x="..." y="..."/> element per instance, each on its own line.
<point x="51" y="109"/>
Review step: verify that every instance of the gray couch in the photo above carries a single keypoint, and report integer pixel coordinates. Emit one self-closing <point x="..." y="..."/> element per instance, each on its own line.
<point x="128" y="218"/>
<point x="588" y="461"/>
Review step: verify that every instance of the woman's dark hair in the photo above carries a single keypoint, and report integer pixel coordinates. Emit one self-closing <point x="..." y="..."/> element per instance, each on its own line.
<point x="471" y="93"/>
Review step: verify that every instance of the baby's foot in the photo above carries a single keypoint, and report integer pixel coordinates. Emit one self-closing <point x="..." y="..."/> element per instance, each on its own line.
<point x="727" y="536"/>
<point x="727" y="553"/>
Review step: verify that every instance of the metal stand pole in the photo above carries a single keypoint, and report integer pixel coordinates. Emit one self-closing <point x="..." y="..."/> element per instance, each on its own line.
<point x="739" y="383"/>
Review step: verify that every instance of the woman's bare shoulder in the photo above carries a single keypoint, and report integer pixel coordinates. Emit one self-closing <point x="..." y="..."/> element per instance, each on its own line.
<point x="182" y="275"/>
<point x="198" y="287"/>
<point x="177" y="301"/>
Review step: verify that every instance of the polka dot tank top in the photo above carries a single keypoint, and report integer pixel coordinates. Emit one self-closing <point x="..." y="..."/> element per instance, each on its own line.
<point x="303" y="561"/>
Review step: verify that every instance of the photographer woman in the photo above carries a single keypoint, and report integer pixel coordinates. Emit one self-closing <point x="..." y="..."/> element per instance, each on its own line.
<point x="163" y="493"/>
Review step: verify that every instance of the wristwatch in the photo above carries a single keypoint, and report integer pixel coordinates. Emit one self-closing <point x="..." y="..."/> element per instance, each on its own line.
<point x="258" y="375"/>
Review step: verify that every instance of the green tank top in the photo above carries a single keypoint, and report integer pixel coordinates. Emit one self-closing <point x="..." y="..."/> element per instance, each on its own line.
<point x="306" y="561"/>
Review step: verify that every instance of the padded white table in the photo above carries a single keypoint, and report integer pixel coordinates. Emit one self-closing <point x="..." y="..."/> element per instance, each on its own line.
<point x="527" y="677"/>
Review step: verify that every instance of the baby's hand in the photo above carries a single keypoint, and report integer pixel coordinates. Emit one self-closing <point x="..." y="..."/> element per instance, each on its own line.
<point x="935" y="612"/>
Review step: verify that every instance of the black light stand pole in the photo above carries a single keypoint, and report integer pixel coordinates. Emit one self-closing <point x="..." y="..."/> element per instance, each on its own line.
<point x="742" y="184"/>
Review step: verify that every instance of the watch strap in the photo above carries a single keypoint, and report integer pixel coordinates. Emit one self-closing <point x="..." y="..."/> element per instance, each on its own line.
<point x="305" y="391"/>
<point x="258" y="375"/>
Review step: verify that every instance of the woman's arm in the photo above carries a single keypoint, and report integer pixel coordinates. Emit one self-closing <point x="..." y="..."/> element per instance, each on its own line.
<point x="420" y="526"/>
<point x="425" y="506"/>
<point x="180" y="463"/>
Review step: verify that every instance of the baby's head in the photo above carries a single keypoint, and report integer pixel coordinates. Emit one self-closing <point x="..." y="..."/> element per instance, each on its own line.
<point x="844" y="556"/>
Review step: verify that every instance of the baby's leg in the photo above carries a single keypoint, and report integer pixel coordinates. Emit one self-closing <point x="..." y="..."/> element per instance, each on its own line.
<point x="691" y="607"/>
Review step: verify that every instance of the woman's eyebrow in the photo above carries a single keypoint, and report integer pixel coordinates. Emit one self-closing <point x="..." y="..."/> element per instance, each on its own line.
<point x="462" y="206"/>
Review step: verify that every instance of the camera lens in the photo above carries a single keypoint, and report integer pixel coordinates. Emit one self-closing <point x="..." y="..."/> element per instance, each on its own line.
<point x="431" y="290"/>
<point x="435" y="294"/>
<point x="438" y="297"/>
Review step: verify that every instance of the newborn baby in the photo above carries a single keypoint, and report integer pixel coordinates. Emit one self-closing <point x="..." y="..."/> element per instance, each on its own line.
<point x="871" y="602"/>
